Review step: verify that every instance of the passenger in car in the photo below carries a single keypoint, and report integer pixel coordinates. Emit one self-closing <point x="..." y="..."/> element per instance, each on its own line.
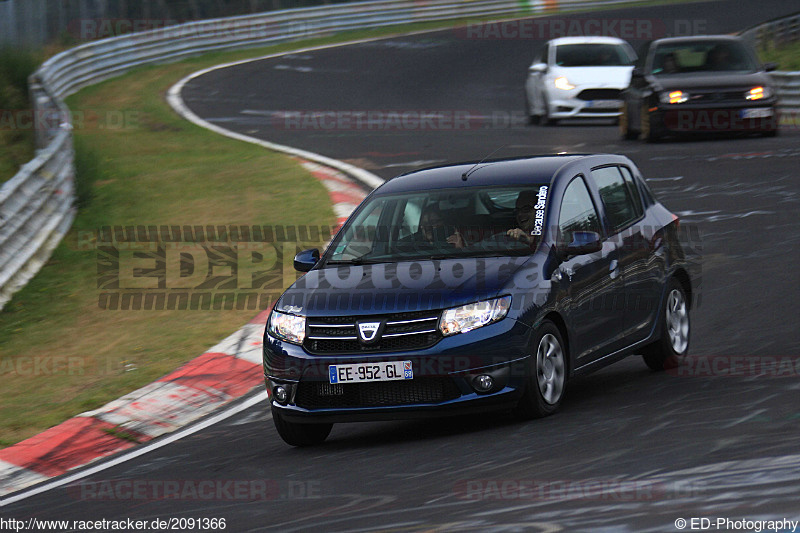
<point x="432" y="232"/>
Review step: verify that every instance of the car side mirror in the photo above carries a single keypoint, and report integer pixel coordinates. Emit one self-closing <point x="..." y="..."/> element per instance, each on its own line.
<point x="770" y="67"/>
<point x="305" y="260"/>
<point x="584" y="242"/>
<point x="539" y="68"/>
<point x="637" y="72"/>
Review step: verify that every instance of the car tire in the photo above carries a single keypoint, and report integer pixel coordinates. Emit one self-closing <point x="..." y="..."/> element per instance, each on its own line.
<point x="649" y="131"/>
<point x="673" y="344"/>
<point x="625" y="125"/>
<point x="300" y="435"/>
<point x="546" y="120"/>
<point x="533" y="118"/>
<point x="546" y="378"/>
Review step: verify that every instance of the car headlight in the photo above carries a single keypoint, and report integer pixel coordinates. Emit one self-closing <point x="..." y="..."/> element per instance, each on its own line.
<point x="673" y="97"/>
<point x="563" y="83"/>
<point x="290" y="328"/>
<point x="468" y="317"/>
<point x="757" y="93"/>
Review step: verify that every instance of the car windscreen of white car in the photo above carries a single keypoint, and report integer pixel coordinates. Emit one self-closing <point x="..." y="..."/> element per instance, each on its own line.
<point x="592" y="55"/>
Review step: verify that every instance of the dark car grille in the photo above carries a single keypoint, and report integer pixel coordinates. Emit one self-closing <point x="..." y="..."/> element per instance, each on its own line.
<point x="710" y="97"/>
<point x="403" y="331"/>
<point x="599" y="94"/>
<point x="321" y="395"/>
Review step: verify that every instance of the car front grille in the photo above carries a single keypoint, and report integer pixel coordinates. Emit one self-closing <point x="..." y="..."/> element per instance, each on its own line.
<point x="599" y="94"/>
<point x="711" y="97"/>
<point x="422" y="390"/>
<point x="404" y="331"/>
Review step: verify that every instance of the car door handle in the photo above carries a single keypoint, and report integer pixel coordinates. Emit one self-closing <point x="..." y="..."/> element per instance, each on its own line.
<point x="613" y="269"/>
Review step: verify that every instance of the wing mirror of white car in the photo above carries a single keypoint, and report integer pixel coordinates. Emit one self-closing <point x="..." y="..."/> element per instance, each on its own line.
<point x="538" y="68"/>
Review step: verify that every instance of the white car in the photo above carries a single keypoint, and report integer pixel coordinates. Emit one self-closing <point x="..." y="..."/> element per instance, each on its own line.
<point x="578" y="77"/>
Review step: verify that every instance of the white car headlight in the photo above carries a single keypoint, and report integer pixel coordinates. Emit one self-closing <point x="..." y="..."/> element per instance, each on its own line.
<point x="563" y="83"/>
<point x="472" y="316"/>
<point x="290" y="328"/>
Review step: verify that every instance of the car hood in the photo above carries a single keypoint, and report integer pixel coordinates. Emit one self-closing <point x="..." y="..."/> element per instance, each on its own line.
<point x="712" y="80"/>
<point x="407" y="286"/>
<point x="595" y="77"/>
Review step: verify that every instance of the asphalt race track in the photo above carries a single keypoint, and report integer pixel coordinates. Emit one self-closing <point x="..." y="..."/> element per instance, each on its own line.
<point x="631" y="450"/>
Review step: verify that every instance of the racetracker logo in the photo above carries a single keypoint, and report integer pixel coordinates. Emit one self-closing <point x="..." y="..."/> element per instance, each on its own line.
<point x="543" y="29"/>
<point x="719" y="120"/>
<point x="766" y="366"/>
<point x="194" y="490"/>
<point x="613" y="490"/>
<point x="392" y="119"/>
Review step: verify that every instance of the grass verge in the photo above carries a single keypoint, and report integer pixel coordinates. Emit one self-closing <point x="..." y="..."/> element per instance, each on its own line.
<point x="16" y="132"/>
<point x="787" y="56"/>
<point x="61" y="353"/>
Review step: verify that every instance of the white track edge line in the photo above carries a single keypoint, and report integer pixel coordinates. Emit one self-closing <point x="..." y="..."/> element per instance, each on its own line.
<point x="138" y="451"/>
<point x="175" y="100"/>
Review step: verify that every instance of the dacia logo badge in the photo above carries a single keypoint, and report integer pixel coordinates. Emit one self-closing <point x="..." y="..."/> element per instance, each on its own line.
<point x="368" y="331"/>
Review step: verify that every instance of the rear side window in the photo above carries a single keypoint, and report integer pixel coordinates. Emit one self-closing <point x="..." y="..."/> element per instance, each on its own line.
<point x="629" y="181"/>
<point x="617" y="198"/>
<point x="577" y="211"/>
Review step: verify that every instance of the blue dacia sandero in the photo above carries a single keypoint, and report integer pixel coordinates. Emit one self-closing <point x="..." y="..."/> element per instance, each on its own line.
<point x="479" y="286"/>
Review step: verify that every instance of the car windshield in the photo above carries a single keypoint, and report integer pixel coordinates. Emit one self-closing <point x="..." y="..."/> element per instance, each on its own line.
<point x="592" y="55"/>
<point x="702" y="56"/>
<point x="442" y="224"/>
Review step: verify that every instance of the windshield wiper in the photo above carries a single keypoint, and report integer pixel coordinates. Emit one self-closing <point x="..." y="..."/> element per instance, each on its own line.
<point x="355" y="261"/>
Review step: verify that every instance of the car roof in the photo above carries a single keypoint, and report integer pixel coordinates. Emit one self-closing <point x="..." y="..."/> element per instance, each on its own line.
<point x="597" y="39"/>
<point x="697" y="38"/>
<point x="517" y="171"/>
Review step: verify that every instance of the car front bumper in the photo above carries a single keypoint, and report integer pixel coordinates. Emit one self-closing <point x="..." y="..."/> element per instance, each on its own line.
<point x="443" y="382"/>
<point x="723" y="117"/>
<point x="577" y="108"/>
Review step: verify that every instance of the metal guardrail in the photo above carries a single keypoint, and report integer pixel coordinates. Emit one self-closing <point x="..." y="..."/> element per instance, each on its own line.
<point x="780" y="32"/>
<point x="787" y="85"/>
<point x="775" y="32"/>
<point x="36" y="205"/>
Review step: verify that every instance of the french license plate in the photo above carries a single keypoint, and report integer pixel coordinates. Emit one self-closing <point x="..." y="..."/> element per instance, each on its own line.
<point x="604" y="104"/>
<point x="368" y="372"/>
<point x="756" y="113"/>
